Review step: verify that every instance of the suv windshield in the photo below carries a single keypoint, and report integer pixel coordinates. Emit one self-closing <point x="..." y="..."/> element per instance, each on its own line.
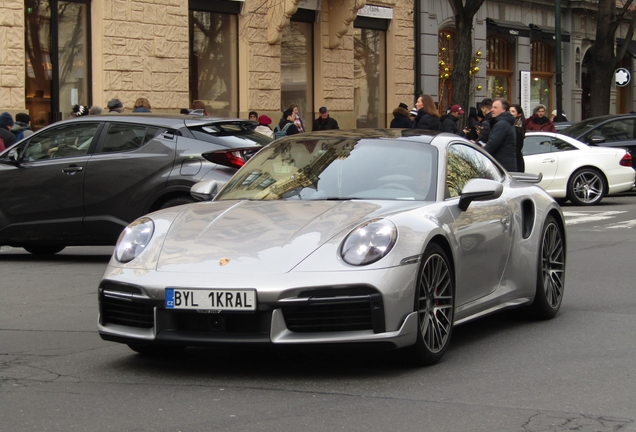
<point x="337" y="168"/>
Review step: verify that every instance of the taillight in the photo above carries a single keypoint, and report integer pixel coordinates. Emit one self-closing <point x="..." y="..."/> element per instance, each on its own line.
<point x="626" y="161"/>
<point x="228" y="158"/>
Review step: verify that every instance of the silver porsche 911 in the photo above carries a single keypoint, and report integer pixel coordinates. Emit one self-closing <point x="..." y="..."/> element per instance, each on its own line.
<point x="385" y="237"/>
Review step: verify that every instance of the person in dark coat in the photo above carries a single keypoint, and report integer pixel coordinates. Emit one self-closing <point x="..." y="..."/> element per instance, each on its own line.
<point x="6" y="123"/>
<point x="484" y="126"/>
<point x="502" y="141"/>
<point x="427" y="116"/>
<point x="471" y="124"/>
<point x="288" y="117"/>
<point x="401" y="117"/>
<point x="324" y="121"/>
<point x="520" y="129"/>
<point x="449" y="121"/>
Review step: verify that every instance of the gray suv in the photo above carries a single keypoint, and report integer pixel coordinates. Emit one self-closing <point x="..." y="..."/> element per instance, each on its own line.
<point x="81" y="181"/>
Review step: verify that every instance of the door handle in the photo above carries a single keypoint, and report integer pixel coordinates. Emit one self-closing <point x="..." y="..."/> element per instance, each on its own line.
<point x="549" y="160"/>
<point x="72" y="169"/>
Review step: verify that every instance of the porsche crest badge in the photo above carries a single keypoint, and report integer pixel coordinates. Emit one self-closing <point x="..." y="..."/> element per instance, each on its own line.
<point x="224" y="261"/>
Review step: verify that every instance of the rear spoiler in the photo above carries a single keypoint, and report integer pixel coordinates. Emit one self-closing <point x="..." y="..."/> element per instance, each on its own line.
<point x="526" y="177"/>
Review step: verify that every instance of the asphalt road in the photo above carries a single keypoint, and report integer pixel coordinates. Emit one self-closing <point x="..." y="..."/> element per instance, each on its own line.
<point x="501" y="373"/>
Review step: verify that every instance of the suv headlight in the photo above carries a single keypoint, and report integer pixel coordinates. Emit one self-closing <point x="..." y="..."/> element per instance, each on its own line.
<point x="134" y="239"/>
<point x="369" y="242"/>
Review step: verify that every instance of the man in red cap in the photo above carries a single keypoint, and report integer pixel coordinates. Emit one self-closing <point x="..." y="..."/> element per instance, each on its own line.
<point x="449" y="121"/>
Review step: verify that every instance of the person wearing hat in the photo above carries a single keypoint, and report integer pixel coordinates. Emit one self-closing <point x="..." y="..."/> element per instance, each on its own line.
<point x="7" y="138"/>
<point x="555" y="119"/>
<point x="252" y="116"/>
<point x="324" y="122"/>
<point x="449" y="121"/>
<point x="115" y="105"/>
<point x="539" y="122"/>
<point x="401" y="117"/>
<point x="22" y="126"/>
<point x="263" y="126"/>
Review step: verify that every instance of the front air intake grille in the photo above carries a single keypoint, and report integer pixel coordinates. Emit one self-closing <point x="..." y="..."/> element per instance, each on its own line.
<point x="330" y="316"/>
<point x="126" y="313"/>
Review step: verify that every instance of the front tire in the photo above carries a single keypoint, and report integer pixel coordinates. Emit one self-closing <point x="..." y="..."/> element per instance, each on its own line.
<point x="435" y="305"/>
<point x="550" y="271"/>
<point x="586" y="187"/>
<point x="44" y="250"/>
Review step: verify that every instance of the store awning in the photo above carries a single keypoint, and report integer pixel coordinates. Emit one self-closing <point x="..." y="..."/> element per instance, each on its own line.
<point x="549" y="33"/>
<point x="511" y="28"/>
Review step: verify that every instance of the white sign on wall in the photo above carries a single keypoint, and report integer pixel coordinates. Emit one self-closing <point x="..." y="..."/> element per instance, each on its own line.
<point x="622" y="76"/>
<point x="526" y="92"/>
<point x="376" y="12"/>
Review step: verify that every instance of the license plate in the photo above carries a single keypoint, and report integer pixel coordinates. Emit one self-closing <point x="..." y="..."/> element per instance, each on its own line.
<point x="211" y="299"/>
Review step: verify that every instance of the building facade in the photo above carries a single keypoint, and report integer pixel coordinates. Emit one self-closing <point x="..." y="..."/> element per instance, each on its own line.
<point x="514" y="54"/>
<point x="235" y="56"/>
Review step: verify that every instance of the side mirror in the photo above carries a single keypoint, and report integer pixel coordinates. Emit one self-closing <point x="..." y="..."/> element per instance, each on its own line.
<point x="13" y="156"/>
<point x="206" y="190"/>
<point x="479" y="190"/>
<point x="596" y="140"/>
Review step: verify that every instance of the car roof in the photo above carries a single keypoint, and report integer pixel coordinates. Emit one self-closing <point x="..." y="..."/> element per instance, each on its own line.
<point x="419" y="135"/>
<point x="173" y="121"/>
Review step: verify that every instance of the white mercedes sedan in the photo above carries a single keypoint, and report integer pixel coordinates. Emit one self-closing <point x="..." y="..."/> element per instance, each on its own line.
<point x="575" y="171"/>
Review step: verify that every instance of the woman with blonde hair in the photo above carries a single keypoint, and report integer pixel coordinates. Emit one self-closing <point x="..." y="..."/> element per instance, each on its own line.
<point x="427" y="116"/>
<point x="142" y="105"/>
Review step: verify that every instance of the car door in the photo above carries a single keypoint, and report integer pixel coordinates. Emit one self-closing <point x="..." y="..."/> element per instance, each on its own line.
<point x="483" y="231"/>
<point x="616" y="133"/>
<point x="539" y="159"/>
<point x="130" y="166"/>
<point x="42" y="191"/>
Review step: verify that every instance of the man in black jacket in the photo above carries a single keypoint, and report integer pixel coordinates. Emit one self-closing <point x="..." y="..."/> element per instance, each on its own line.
<point x="484" y="126"/>
<point x="502" y="142"/>
<point x="324" y="122"/>
<point x="449" y="121"/>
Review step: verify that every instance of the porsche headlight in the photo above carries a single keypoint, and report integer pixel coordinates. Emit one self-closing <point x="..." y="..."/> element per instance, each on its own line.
<point x="369" y="242"/>
<point x="134" y="239"/>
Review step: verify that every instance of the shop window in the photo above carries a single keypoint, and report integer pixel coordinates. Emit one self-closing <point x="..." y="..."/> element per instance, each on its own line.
<point x="297" y="69"/>
<point x="446" y="51"/>
<point x="214" y="57"/>
<point x="57" y="58"/>
<point x="541" y="73"/>
<point x="369" y="68"/>
<point x="499" y="68"/>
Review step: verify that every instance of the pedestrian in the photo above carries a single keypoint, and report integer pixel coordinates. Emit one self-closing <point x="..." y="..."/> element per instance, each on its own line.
<point x="412" y="115"/>
<point x="324" y="122"/>
<point x="198" y="108"/>
<point x="79" y="111"/>
<point x="502" y="141"/>
<point x="142" y="105"/>
<point x="449" y="121"/>
<point x="427" y="117"/>
<point x="471" y="124"/>
<point x="7" y="138"/>
<point x="253" y="116"/>
<point x="22" y="126"/>
<point x="286" y="125"/>
<point x="115" y="106"/>
<point x="520" y="130"/>
<point x="95" y="110"/>
<point x="539" y="122"/>
<point x="401" y="117"/>
<point x="484" y="127"/>
<point x="263" y="126"/>
<point x="554" y="118"/>
<point x="300" y="125"/>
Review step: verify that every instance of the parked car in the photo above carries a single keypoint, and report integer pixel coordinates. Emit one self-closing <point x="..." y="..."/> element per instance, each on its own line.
<point x="82" y="181"/>
<point x="559" y="126"/>
<point x="577" y="172"/>
<point x="607" y="131"/>
<point x="381" y="237"/>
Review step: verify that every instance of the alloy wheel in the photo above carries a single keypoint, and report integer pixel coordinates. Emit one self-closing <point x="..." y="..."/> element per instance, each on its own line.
<point x="435" y="303"/>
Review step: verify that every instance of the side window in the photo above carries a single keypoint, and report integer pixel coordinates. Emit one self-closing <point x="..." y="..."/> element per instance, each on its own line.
<point x="560" y="145"/>
<point x="62" y="142"/>
<point x="465" y="163"/>
<point x="536" y="145"/>
<point x="124" y="137"/>
<point x="619" y="130"/>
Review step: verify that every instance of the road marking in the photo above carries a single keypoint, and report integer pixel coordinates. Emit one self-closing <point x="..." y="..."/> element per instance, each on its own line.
<point x="574" y="217"/>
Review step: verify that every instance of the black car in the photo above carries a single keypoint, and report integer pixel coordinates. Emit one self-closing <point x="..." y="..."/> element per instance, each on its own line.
<point x="81" y="181"/>
<point x="607" y="131"/>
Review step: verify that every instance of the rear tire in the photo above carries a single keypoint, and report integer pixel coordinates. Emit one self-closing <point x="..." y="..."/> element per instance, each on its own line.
<point x="550" y="271"/>
<point x="435" y="305"/>
<point x="44" y="250"/>
<point x="586" y="187"/>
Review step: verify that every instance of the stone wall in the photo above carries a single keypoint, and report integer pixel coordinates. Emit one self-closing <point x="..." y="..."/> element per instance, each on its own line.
<point x="12" y="87"/>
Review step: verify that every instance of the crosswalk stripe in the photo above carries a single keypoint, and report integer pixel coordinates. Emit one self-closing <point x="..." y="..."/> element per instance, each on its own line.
<point x="574" y="218"/>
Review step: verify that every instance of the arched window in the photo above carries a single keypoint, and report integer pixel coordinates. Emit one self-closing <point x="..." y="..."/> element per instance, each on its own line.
<point x="446" y="51"/>
<point x="499" y="67"/>
<point x="541" y="72"/>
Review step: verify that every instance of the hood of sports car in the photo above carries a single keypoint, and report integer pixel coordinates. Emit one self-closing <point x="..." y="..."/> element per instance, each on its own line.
<point x="260" y="236"/>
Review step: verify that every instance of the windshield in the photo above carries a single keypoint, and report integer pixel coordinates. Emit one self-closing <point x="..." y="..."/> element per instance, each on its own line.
<point x="233" y="135"/>
<point x="581" y="128"/>
<point x="337" y="169"/>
